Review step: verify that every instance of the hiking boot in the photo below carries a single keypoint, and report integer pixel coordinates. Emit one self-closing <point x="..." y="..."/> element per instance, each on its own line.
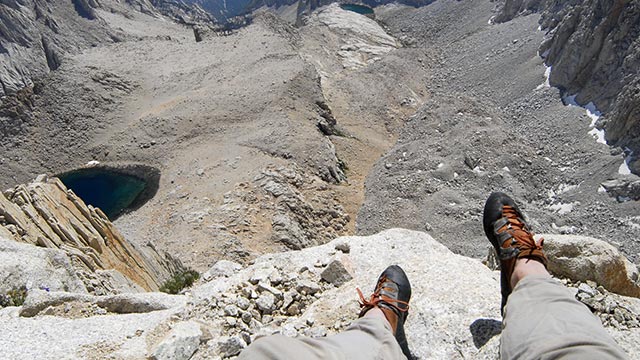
<point x="391" y="295"/>
<point x="509" y="234"/>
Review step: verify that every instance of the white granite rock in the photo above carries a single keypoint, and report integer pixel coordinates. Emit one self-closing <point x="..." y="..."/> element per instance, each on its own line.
<point x="53" y="337"/>
<point x="223" y="268"/>
<point x="36" y="268"/>
<point x="38" y="300"/>
<point x="582" y="258"/>
<point x="454" y="310"/>
<point x="180" y="343"/>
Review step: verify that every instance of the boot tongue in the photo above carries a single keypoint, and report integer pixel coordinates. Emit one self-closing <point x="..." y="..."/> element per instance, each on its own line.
<point x="391" y="316"/>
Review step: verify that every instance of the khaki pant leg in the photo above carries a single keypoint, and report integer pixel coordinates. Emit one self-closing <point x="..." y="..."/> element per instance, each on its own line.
<point x="365" y="338"/>
<point x="542" y="320"/>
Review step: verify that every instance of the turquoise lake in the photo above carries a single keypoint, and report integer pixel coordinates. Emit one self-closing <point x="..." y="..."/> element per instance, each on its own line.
<point x="108" y="190"/>
<point x="360" y="9"/>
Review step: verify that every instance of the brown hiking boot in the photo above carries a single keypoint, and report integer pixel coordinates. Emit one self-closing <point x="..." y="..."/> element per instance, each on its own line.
<point x="512" y="239"/>
<point x="391" y="295"/>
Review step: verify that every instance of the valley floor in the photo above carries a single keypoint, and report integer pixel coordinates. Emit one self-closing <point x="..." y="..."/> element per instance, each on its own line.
<point x="278" y="138"/>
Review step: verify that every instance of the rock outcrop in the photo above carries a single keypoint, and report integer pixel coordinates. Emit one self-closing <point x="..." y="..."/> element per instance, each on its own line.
<point x="512" y="8"/>
<point x="593" y="49"/>
<point x="365" y="41"/>
<point x="586" y="259"/>
<point x="292" y="293"/>
<point x="181" y="343"/>
<point x="75" y="243"/>
<point x="36" y="35"/>
<point x="28" y="266"/>
<point x="623" y="189"/>
<point x="45" y="302"/>
<point x="79" y="330"/>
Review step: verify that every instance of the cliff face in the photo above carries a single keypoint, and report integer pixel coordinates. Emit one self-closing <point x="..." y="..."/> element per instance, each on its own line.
<point x="36" y="35"/>
<point x="593" y="48"/>
<point x="513" y="8"/>
<point x="595" y="53"/>
<point x="47" y="215"/>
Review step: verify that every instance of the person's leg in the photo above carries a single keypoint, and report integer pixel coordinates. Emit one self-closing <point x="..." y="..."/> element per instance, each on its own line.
<point x="378" y="334"/>
<point x="541" y="320"/>
<point x="369" y="337"/>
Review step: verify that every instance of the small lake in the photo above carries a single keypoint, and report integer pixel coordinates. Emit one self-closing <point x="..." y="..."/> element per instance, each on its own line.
<point x="109" y="190"/>
<point x="360" y="9"/>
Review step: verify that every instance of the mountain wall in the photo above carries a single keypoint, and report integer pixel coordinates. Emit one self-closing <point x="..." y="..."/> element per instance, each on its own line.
<point x="593" y="47"/>
<point x="90" y="253"/>
<point x="36" y="35"/>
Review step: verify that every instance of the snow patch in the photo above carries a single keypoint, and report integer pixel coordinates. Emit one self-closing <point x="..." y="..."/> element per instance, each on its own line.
<point x="547" y="74"/>
<point x="559" y="207"/>
<point x="93" y="163"/>
<point x="624" y="167"/>
<point x="593" y="113"/>
<point x="598" y="134"/>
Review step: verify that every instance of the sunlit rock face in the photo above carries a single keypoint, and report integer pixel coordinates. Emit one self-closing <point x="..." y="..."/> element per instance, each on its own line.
<point x="45" y="213"/>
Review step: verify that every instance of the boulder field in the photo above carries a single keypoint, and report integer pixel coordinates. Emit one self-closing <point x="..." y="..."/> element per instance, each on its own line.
<point x="312" y="292"/>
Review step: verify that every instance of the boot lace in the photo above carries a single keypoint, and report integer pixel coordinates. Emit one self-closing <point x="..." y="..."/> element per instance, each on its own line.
<point x="377" y="298"/>
<point x="522" y="242"/>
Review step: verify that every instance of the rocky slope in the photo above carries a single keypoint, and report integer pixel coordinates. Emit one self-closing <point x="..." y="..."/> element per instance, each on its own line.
<point x="325" y="101"/>
<point x="69" y="246"/>
<point x="297" y="293"/>
<point x="264" y="138"/>
<point x="243" y="167"/>
<point x="36" y="36"/>
<point x="492" y="123"/>
<point x="592" y="47"/>
<point x="296" y="10"/>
